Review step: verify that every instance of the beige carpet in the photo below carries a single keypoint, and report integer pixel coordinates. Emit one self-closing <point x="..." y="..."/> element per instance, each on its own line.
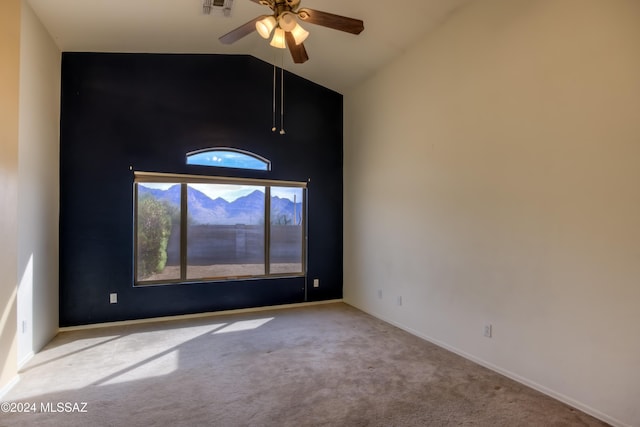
<point x="327" y="365"/>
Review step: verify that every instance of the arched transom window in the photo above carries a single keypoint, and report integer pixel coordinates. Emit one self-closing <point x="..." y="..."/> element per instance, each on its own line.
<point x="224" y="157"/>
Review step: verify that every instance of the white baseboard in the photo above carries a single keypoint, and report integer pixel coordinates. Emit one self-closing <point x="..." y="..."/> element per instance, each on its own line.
<point x="4" y="390"/>
<point x="25" y="360"/>
<point x="532" y="384"/>
<point x="196" y="315"/>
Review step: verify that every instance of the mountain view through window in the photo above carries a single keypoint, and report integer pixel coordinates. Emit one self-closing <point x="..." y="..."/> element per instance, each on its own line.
<point x="222" y="231"/>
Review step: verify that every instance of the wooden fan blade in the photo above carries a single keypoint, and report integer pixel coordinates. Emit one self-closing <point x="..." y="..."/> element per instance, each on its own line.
<point x="243" y="30"/>
<point x="298" y="52"/>
<point x="329" y="20"/>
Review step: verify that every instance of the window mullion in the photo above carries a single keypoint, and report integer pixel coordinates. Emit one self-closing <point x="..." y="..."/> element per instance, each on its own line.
<point x="183" y="231"/>
<point x="267" y="230"/>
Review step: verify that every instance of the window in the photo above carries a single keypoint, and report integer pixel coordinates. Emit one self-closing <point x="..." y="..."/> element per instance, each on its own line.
<point x="225" y="230"/>
<point x="194" y="228"/>
<point x="286" y="230"/>
<point x="228" y="158"/>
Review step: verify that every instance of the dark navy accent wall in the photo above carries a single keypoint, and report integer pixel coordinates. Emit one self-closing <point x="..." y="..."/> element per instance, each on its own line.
<point x="147" y="111"/>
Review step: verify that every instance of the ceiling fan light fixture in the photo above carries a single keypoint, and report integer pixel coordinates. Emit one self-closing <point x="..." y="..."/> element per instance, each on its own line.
<point x="299" y="34"/>
<point x="287" y="21"/>
<point x="282" y="25"/>
<point x="278" y="39"/>
<point x="265" y="26"/>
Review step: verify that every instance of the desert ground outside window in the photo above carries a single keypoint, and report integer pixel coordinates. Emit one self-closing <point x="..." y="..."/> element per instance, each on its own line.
<point x="195" y="228"/>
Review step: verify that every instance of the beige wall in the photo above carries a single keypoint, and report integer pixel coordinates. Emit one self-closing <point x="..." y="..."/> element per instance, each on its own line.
<point x="491" y="176"/>
<point x="29" y="190"/>
<point x="38" y="196"/>
<point x="9" y="80"/>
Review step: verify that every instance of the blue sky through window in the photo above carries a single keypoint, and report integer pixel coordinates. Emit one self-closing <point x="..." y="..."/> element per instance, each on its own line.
<point x="228" y="158"/>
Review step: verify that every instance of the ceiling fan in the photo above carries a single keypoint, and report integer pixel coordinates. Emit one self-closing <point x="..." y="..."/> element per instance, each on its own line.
<point x="287" y="32"/>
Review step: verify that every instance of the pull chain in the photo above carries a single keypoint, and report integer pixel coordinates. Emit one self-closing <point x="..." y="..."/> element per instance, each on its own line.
<point x="282" y="132"/>
<point x="273" y="129"/>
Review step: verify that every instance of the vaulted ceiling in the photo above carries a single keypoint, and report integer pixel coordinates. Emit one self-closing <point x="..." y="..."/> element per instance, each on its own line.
<point x="337" y="60"/>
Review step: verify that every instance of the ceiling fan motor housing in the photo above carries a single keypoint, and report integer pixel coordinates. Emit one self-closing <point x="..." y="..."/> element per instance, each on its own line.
<point x="280" y="7"/>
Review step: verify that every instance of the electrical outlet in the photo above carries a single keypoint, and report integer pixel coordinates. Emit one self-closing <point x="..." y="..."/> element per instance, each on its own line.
<point x="400" y="300"/>
<point x="488" y="330"/>
<point x="380" y="293"/>
<point x="113" y="298"/>
<point x="316" y="283"/>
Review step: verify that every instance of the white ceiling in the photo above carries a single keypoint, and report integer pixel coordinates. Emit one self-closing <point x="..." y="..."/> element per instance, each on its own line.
<point x="337" y="60"/>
